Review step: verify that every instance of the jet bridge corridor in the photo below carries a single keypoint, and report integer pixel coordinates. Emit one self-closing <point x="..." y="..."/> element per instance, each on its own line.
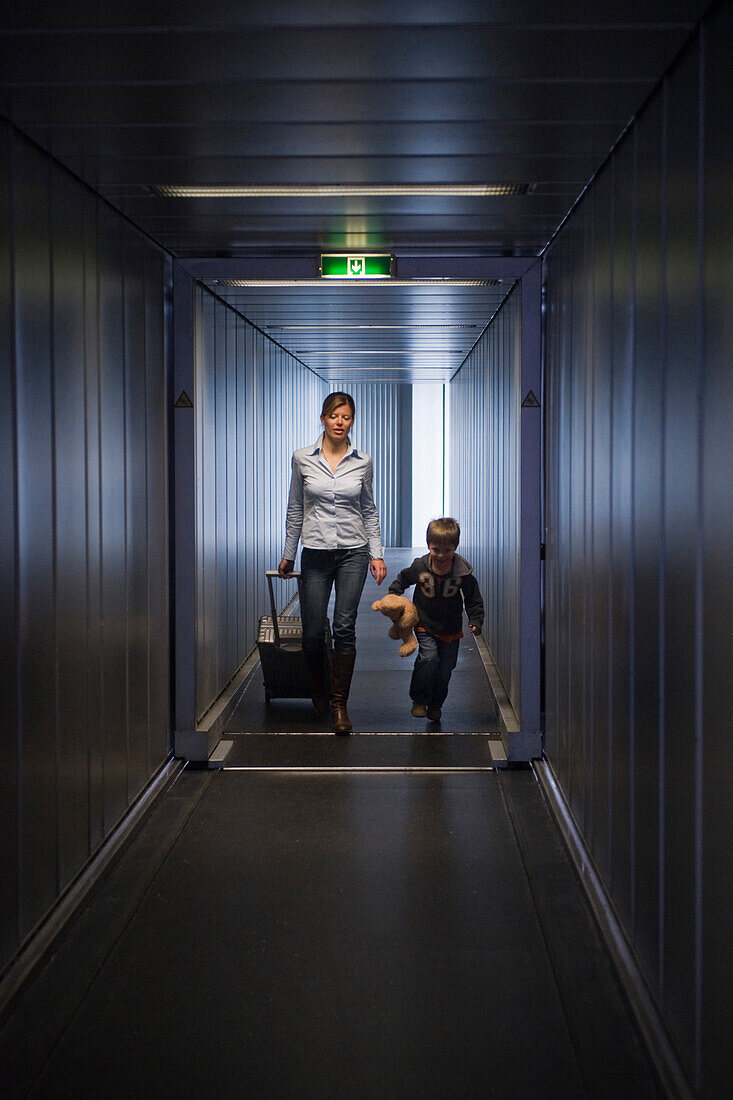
<point x="507" y="230"/>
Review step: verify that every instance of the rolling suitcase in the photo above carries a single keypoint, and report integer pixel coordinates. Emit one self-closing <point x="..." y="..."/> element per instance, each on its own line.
<point x="280" y="644"/>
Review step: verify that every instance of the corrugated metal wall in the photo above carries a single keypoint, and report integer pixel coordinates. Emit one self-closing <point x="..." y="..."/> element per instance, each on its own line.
<point x="485" y="405"/>
<point x="254" y="404"/>
<point x="383" y="427"/>
<point x="639" y="650"/>
<point x="83" y="539"/>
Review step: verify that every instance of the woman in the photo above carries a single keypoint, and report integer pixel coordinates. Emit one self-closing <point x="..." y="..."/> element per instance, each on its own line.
<point x="331" y="509"/>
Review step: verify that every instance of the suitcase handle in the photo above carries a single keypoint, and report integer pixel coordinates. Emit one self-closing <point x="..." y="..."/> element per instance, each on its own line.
<point x="270" y="573"/>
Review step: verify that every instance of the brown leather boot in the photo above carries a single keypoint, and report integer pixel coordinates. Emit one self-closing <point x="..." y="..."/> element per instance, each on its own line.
<point x="319" y="684"/>
<point x="342" y="669"/>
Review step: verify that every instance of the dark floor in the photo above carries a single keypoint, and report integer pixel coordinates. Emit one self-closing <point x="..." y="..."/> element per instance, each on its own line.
<point x="364" y="917"/>
<point x="379" y="700"/>
<point x="278" y="934"/>
<point x="360" y="752"/>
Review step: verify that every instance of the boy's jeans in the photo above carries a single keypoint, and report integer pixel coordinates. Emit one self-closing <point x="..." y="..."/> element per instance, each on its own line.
<point x="435" y="662"/>
<point x="319" y="570"/>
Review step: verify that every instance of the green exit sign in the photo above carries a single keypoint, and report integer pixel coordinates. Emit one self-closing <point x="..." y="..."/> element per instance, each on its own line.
<point x="356" y="266"/>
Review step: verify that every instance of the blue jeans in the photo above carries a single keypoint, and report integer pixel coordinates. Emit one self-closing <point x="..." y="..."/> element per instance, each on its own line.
<point x="431" y="675"/>
<point x="320" y="569"/>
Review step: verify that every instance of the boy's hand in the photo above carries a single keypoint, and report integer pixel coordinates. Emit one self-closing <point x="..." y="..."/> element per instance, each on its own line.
<point x="475" y="629"/>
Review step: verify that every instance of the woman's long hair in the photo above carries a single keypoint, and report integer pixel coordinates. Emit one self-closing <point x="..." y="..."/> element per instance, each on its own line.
<point x="335" y="399"/>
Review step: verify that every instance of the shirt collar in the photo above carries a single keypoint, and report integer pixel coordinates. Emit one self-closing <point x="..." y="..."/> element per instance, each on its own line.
<point x="317" y="446"/>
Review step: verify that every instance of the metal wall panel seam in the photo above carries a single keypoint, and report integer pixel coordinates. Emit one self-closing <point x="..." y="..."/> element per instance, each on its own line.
<point x="681" y="488"/>
<point x="36" y="717"/>
<point x="588" y="470"/>
<point x="158" y="341"/>
<point x="70" y="509"/>
<point x="700" y="572"/>
<point x="612" y="437"/>
<point x="662" y="557"/>
<point x="89" y="499"/>
<point x="146" y="355"/>
<point x="96" y="758"/>
<point x="10" y="932"/>
<point x="634" y="139"/>
<point x="611" y="528"/>
<point x="125" y="509"/>
<point x="54" y="536"/>
<point x="137" y="415"/>
<point x="114" y="593"/>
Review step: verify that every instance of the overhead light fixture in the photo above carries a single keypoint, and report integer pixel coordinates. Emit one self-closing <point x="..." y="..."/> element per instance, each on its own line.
<point x="405" y="351"/>
<point x="337" y="369"/>
<point x="342" y="328"/>
<point x="299" y="190"/>
<point x="353" y="283"/>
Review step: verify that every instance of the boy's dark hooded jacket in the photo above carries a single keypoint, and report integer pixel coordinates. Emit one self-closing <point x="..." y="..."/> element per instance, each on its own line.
<point x="439" y="600"/>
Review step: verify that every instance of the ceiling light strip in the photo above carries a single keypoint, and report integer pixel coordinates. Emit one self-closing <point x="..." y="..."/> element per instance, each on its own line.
<point x="354" y="284"/>
<point x="343" y="353"/>
<point x="287" y="190"/>
<point x="415" y="370"/>
<point x="342" y="328"/>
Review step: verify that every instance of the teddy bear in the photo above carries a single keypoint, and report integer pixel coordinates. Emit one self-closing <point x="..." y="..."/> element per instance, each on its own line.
<point x="403" y="614"/>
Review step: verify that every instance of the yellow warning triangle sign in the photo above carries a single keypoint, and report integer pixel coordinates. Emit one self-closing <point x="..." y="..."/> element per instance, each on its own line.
<point x="184" y="401"/>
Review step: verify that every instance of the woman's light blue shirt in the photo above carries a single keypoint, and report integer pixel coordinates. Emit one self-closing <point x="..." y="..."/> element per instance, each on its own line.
<point x="330" y="510"/>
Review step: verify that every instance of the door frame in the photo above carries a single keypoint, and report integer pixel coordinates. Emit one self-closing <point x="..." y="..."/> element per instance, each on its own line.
<point x="520" y="728"/>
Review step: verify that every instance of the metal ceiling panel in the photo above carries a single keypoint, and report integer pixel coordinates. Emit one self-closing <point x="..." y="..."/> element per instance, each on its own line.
<point x="353" y="139"/>
<point x="189" y="168"/>
<point x="372" y="332"/>
<point x="80" y="14"/>
<point x="202" y="103"/>
<point x="136" y="94"/>
<point x="472" y="51"/>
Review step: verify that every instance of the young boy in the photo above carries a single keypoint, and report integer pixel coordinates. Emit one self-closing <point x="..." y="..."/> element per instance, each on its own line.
<point x="444" y="582"/>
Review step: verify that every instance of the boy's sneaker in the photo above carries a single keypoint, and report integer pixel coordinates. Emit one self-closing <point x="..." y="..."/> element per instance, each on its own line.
<point x="419" y="710"/>
<point x="432" y="713"/>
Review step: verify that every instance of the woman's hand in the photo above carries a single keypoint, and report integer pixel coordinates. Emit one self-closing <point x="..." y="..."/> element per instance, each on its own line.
<point x="285" y="568"/>
<point x="378" y="569"/>
<point x="475" y="629"/>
